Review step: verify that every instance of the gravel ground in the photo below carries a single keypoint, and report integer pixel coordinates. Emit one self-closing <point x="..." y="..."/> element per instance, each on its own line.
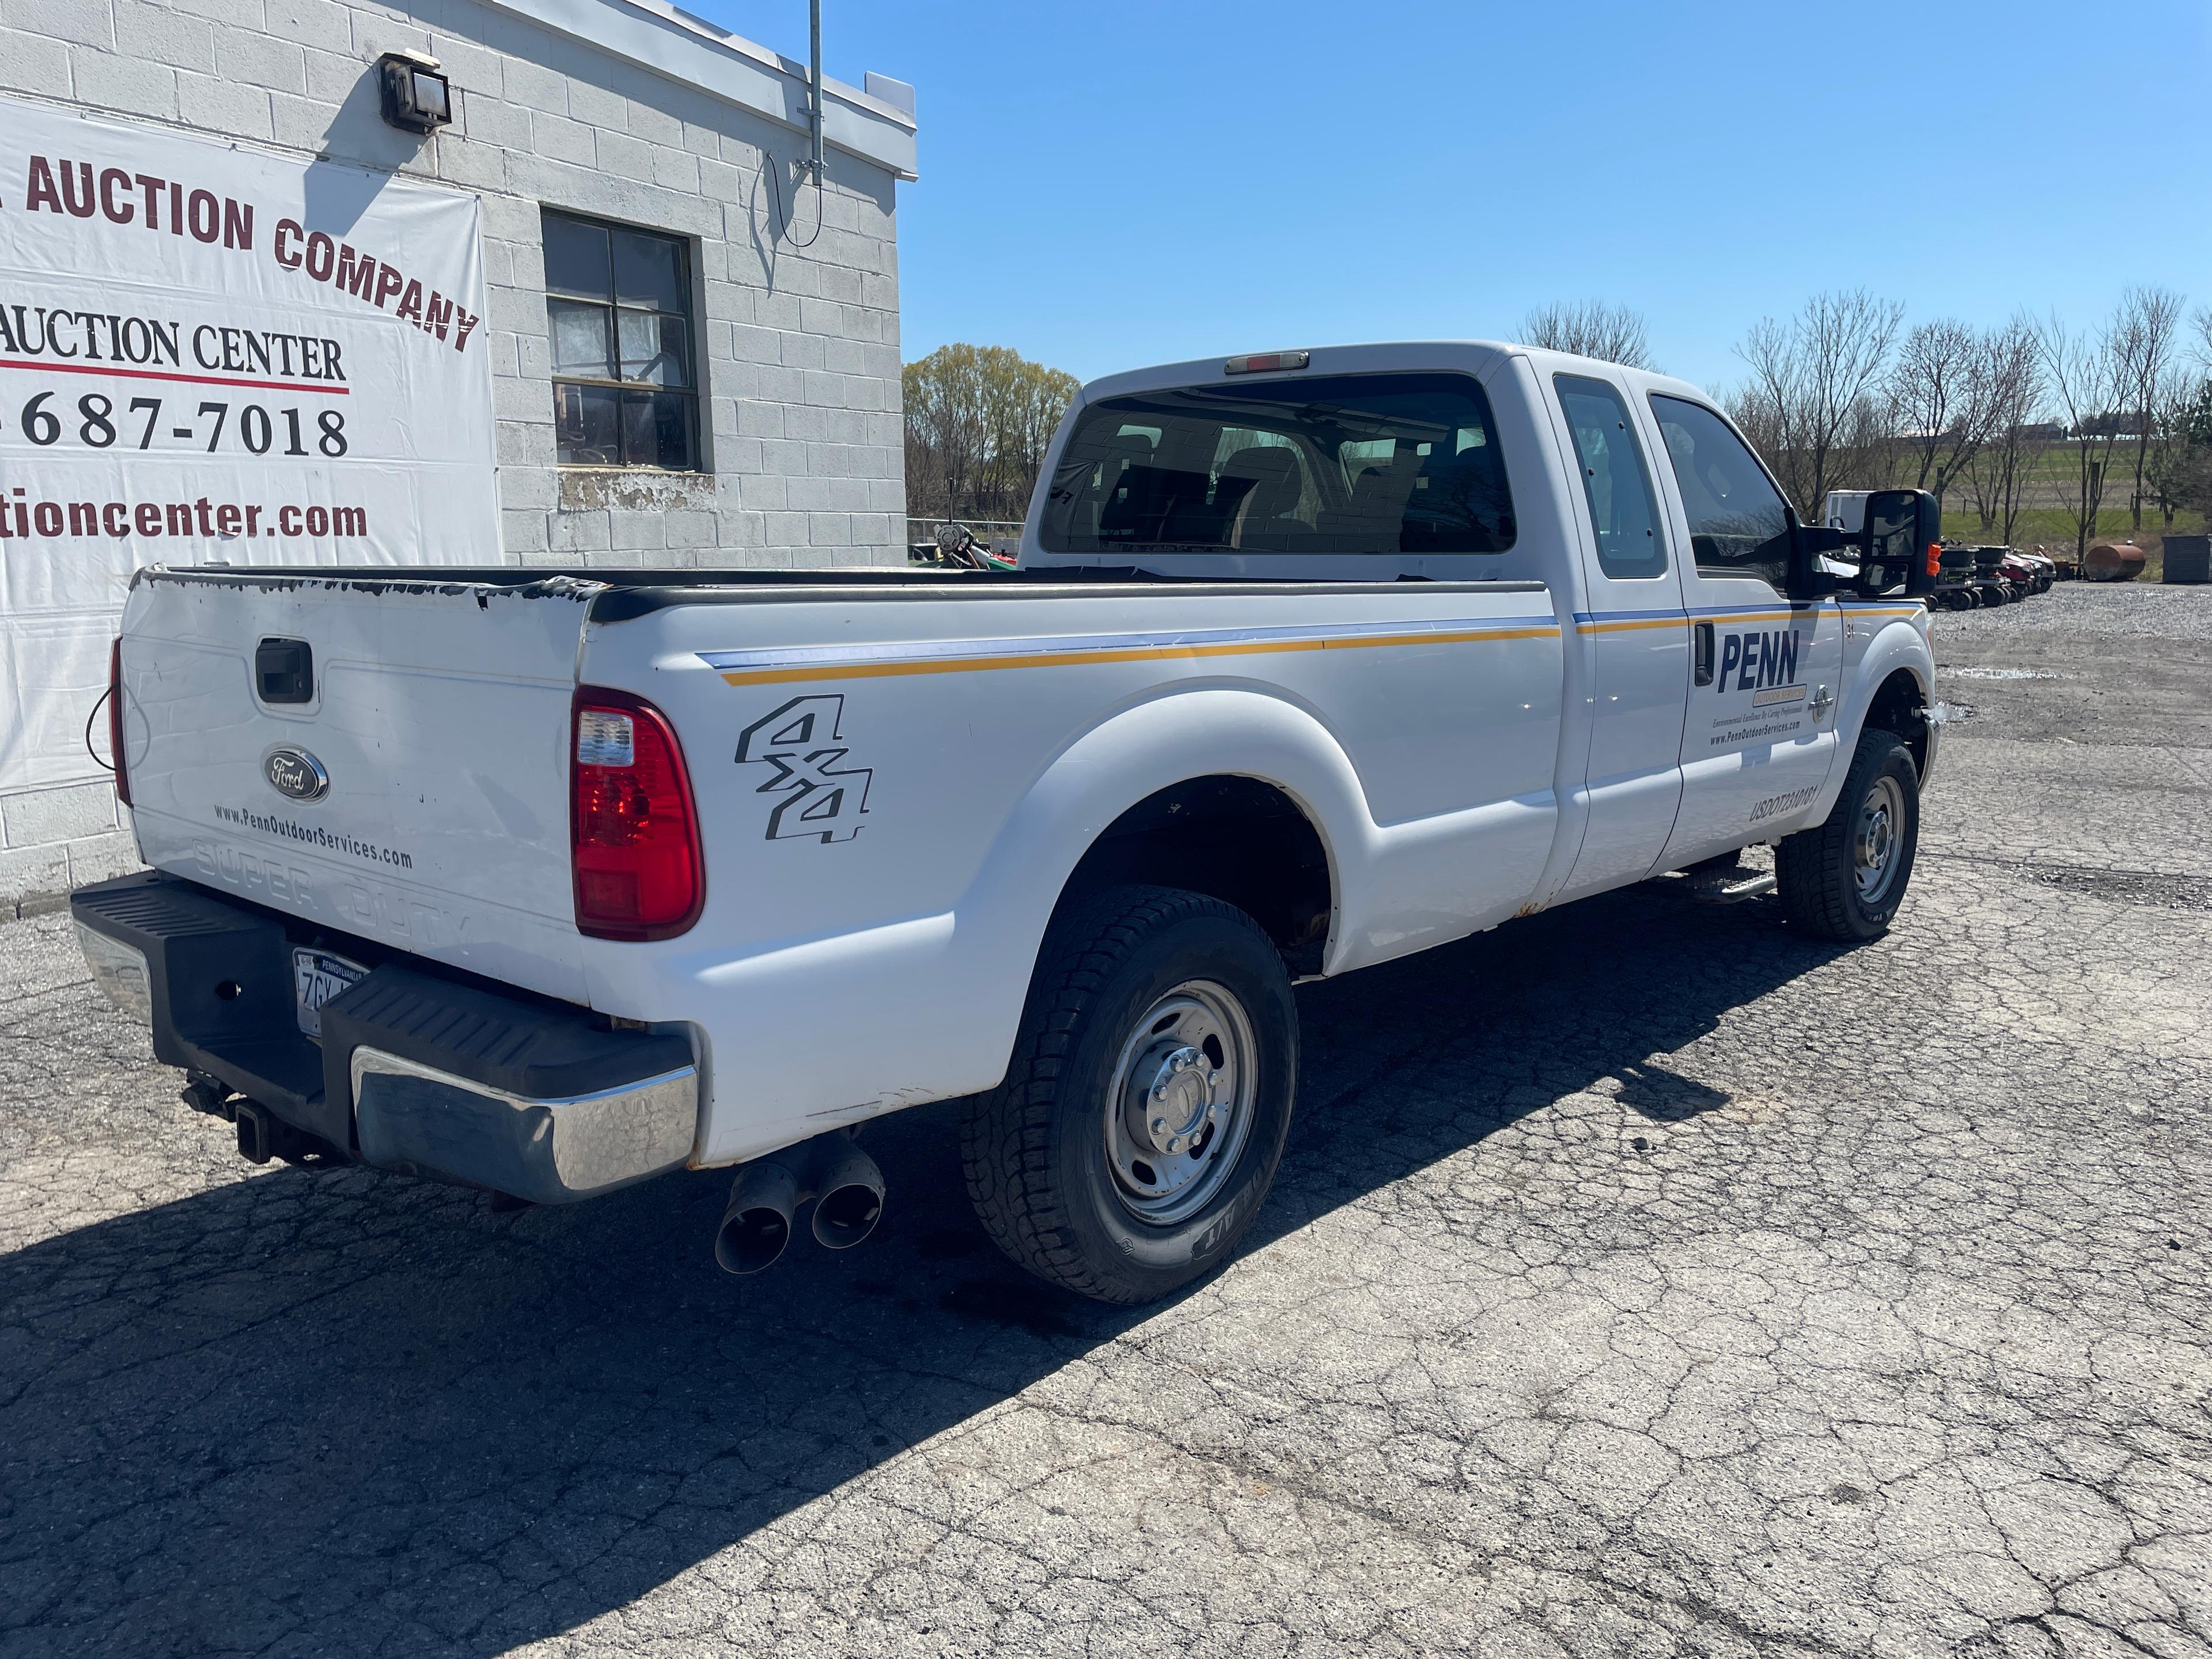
<point x="1641" y="1279"/>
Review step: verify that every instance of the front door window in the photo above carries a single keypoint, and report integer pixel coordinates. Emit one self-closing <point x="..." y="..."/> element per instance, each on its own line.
<point x="1739" y="523"/>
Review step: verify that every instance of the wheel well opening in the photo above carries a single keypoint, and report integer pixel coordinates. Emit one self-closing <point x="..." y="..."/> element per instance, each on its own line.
<point x="1238" y="840"/>
<point x="1901" y="707"/>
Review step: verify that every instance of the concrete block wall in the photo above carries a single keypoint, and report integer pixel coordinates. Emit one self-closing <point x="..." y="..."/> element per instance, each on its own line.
<point x="795" y="291"/>
<point x="53" y="840"/>
<point x="799" y="344"/>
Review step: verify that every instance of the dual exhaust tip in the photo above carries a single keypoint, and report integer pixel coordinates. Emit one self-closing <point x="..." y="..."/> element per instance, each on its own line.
<point x="844" y="1182"/>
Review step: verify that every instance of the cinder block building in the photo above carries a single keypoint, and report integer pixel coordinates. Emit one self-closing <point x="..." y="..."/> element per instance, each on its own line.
<point x="693" y="344"/>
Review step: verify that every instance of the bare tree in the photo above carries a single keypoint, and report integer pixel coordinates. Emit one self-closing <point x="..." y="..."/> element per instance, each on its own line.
<point x="1997" y="473"/>
<point x="2088" y="376"/>
<point x="2147" y="329"/>
<point x="1944" y="393"/>
<point x="1811" y="402"/>
<point x="1591" y="328"/>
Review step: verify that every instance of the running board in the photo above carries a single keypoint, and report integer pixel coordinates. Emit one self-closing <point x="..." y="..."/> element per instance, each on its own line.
<point x="1752" y="886"/>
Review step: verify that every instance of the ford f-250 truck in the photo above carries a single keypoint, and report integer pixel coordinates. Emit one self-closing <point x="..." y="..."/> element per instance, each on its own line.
<point x="547" y="884"/>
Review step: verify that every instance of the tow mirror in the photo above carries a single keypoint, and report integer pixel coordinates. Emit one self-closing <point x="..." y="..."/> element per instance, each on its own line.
<point x="1901" y="542"/>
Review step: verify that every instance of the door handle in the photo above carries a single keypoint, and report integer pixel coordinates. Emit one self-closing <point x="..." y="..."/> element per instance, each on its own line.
<point x="1701" y="654"/>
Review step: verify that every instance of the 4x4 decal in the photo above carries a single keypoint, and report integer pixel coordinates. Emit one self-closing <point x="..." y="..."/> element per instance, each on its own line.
<point x="819" y="799"/>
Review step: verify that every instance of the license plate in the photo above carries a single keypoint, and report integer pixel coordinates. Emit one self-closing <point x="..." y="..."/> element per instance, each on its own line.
<point x="317" y="976"/>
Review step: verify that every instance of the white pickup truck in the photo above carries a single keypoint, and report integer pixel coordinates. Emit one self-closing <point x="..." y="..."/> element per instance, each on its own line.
<point x="547" y="883"/>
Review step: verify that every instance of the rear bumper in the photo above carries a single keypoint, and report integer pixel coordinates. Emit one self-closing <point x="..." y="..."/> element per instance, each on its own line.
<point x="414" y="1073"/>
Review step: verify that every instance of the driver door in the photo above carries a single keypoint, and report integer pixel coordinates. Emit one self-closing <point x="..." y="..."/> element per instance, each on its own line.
<point x="1758" y="735"/>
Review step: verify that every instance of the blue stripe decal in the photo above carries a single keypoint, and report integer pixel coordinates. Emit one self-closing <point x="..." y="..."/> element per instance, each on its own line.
<point x="930" y="650"/>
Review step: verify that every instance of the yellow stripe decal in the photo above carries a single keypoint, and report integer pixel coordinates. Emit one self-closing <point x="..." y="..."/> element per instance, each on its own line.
<point x="1140" y="653"/>
<point x="1631" y="626"/>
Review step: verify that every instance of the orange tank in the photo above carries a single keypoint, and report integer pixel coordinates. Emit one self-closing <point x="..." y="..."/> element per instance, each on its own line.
<point x="2114" y="561"/>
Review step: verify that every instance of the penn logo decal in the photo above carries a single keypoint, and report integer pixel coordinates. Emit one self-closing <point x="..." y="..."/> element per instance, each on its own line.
<point x="1753" y="662"/>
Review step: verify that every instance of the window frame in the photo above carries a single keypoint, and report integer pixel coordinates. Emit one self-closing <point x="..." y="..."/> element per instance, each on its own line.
<point x="612" y="308"/>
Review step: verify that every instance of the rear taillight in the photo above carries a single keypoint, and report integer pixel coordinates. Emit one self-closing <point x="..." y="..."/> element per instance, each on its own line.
<point x="115" y="722"/>
<point x="633" y="830"/>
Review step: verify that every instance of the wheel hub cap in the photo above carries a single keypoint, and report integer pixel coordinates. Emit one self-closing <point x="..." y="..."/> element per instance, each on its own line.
<point x="1874" y="849"/>
<point x="1173" y="1112"/>
<point x="1873" y="844"/>
<point x="1181" y="1104"/>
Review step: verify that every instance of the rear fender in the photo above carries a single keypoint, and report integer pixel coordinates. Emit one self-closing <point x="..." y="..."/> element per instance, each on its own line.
<point x="839" y="1029"/>
<point x="1134" y="755"/>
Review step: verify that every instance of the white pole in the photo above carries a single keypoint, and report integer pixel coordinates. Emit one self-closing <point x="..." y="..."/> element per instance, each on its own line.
<point x="815" y="165"/>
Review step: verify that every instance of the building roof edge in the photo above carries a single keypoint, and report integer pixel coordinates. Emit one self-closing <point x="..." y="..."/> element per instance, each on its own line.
<point x="687" y="50"/>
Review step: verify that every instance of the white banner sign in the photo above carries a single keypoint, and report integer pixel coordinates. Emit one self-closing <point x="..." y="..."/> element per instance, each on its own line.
<point x="211" y="354"/>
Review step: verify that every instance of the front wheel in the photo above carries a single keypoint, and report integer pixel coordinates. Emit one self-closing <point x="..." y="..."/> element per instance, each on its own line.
<point x="1140" y="1124"/>
<point x="1845" y="879"/>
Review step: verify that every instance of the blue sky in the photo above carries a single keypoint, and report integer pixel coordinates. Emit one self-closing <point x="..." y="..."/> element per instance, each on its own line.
<point x="1105" y="185"/>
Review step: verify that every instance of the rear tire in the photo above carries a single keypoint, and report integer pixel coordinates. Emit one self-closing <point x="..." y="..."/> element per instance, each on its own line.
<point x="1142" y="1118"/>
<point x="1845" y="879"/>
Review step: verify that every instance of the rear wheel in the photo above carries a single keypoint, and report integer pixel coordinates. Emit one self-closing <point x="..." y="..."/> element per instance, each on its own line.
<point x="1845" y="879"/>
<point x="1143" y="1114"/>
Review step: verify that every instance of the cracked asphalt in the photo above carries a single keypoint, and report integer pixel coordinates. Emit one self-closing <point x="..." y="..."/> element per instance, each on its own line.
<point x="1641" y="1279"/>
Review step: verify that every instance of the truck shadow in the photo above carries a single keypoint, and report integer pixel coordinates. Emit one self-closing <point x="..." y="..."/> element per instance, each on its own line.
<point x="336" y="1411"/>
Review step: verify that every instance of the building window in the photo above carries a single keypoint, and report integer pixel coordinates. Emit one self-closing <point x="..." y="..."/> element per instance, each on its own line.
<point x="618" y="305"/>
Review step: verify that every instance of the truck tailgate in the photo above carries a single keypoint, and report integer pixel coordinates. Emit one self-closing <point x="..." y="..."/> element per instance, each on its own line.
<point x="438" y="712"/>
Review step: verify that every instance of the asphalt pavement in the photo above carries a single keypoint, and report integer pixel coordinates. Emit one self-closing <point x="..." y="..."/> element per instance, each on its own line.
<point x="1641" y="1279"/>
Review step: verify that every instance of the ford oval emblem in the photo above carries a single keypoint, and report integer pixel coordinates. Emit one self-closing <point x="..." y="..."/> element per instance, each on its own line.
<point x="296" y="773"/>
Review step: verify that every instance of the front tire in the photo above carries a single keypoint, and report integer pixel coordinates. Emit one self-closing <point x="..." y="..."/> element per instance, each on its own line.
<point x="1142" y="1118"/>
<point x="1845" y="879"/>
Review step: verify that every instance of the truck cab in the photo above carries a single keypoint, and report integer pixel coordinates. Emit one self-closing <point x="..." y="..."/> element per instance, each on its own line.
<point x="1706" y="692"/>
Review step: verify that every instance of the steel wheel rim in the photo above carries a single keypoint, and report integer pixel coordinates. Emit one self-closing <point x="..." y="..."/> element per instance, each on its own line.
<point x="1875" y="838"/>
<point x="1180" y="1107"/>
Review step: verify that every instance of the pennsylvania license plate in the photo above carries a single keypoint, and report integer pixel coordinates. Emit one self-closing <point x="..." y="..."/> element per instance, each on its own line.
<point x="317" y="976"/>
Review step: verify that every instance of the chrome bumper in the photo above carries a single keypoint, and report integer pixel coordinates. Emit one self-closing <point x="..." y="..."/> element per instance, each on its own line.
<point x="414" y="1070"/>
<point x="412" y="1116"/>
<point x="1936" y="719"/>
<point x="120" y="971"/>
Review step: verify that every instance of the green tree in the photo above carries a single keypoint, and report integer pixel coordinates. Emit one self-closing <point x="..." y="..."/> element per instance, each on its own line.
<point x="2179" y="473"/>
<point x="978" y="419"/>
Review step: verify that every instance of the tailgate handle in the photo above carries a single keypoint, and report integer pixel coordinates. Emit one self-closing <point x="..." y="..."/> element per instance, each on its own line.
<point x="284" y="671"/>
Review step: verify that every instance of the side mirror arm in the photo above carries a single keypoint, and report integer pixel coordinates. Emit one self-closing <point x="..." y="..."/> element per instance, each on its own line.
<point x="1807" y="543"/>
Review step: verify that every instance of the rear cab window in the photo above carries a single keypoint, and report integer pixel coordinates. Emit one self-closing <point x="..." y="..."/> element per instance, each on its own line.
<point x="1332" y="465"/>
<point x="1623" y="511"/>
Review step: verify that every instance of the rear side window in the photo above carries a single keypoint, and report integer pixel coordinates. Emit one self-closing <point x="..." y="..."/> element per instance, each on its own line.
<point x="1614" y="482"/>
<point x="1738" y="525"/>
<point x="1344" y="464"/>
